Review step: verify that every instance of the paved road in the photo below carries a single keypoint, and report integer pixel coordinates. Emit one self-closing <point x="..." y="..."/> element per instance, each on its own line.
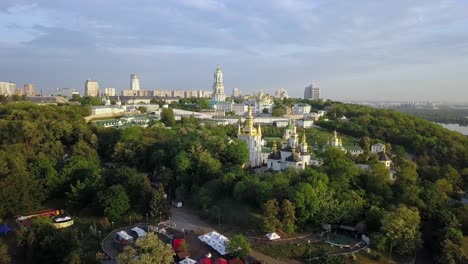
<point x="185" y="219"/>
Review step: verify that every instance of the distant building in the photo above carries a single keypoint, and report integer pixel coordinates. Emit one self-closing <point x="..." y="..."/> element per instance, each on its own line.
<point x="300" y="109"/>
<point x="236" y="93"/>
<point x="109" y="91"/>
<point x="305" y="123"/>
<point x="107" y="109"/>
<point x="218" y="86"/>
<point x="66" y="92"/>
<point x="239" y="109"/>
<point x="134" y="82"/>
<point x="19" y="92"/>
<point x="263" y="102"/>
<point x="292" y="153"/>
<point x="315" y="93"/>
<point x="7" y="88"/>
<point x="130" y="93"/>
<point x="384" y="159"/>
<point x="178" y="93"/>
<point x="378" y="148"/>
<point x="29" y="89"/>
<point x="91" y="88"/>
<point x="311" y="92"/>
<point x="253" y="137"/>
<point x="281" y="93"/>
<point x="223" y="107"/>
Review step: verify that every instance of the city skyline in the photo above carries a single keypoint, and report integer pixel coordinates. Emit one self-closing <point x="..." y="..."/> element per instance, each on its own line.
<point x="392" y="50"/>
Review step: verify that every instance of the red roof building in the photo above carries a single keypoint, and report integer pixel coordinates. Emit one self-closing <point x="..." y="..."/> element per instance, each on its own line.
<point x="205" y="261"/>
<point x="221" y="261"/>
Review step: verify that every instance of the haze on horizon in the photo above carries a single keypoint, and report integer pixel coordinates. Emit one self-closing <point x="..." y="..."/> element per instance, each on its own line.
<point x="353" y="50"/>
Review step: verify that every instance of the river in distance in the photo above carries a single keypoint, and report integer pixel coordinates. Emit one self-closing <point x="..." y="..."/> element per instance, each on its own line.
<point x="456" y="127"/>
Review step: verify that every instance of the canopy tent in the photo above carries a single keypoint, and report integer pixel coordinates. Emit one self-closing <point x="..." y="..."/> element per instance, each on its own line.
<point x="215" y="240"/>
<point x="205" y="261"/>
<point x="273" y="236"/>
<point x="124" y="235"/>
<point x="187" y="261"/>
<point x="176" y="243"/>
<point x="4" y="229"/>
<point x="140" y="232"/>
<point x="221" y="261"/>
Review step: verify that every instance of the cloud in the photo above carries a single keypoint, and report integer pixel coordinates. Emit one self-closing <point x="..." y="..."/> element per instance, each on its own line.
<point x="203" y="4"/>
<point x="285" y="41"/>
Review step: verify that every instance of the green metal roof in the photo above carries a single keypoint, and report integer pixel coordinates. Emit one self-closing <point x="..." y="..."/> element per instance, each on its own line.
<point x="352" y="148"/>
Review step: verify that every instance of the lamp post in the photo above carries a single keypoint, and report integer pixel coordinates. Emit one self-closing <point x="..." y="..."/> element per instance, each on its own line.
<point x="160" y="217"/>
<point x="112" y="225"/>
<point x="146" y="219"/>
<point x="310" y="251"/>
<point x="130" y="219"/>
<point x="219" y="219"/>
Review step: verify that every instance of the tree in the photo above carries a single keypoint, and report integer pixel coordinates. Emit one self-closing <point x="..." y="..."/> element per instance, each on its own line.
<point x="270" y="216"/>
<point x="157" y="203"/>
<point x="42" y="243"/>
<point x="455" y="252"/>
<point x="288" y="216"/>
<point x="115" y="202"/>
<point x="142" y="109"/>
<point x="401" y="228"/>
<point x="167" y="117"/>
<point x="4" y="257"/>
<point x="239" y="246"/>
<point x="20" y="193"/>
<point x="148" y="250"/>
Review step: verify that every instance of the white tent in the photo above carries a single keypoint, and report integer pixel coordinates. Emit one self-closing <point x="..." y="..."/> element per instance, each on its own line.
<point x="215" y="240"/>
<point x="187" y="261"/>
<point x="140" y="232"/>
<point x="124" y="235"/>
<point x="273" y="236"/>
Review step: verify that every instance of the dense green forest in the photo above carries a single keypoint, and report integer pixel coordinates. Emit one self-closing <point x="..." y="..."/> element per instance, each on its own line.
<point x="49" y="154"/>
<point x="441" y="115"/>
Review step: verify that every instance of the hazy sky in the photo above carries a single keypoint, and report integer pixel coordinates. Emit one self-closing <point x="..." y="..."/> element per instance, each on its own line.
<point x="353" y="50"/>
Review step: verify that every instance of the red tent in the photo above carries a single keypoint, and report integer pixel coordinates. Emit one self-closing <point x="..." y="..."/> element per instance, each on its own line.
<point x="205" y="261"/>
<point x="236" y="261"/>
<point x="176" y="243"/>
<point x="220" y="261"/>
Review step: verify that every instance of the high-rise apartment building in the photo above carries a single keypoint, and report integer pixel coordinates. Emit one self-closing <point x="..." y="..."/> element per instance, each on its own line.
<point x="236" y="93"/>
<point x="311" y="92"/>
<point x="29" y="89"/>
<point x="19" y="92"/>
<point x="134" y="82"/>
<point x="66" y="92"/>
<point x="91" y="88"/>
<point x="315" y="93"/>
<point x="281" y="93"/>
<point x="109" y="91"/>
<point x="7" y="88"/>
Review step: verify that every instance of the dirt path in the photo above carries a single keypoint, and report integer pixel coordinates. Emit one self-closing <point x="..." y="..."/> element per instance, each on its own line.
<point x="184" y="219"/>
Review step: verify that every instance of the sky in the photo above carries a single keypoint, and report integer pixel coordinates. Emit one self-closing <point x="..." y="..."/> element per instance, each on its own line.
<point x="353" y="50"/>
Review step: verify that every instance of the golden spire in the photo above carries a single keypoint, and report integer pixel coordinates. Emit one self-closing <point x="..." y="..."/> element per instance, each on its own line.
<point x="304" y="138"/>
<point x="259" y="129"/>
<point x="274" y="147"/>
